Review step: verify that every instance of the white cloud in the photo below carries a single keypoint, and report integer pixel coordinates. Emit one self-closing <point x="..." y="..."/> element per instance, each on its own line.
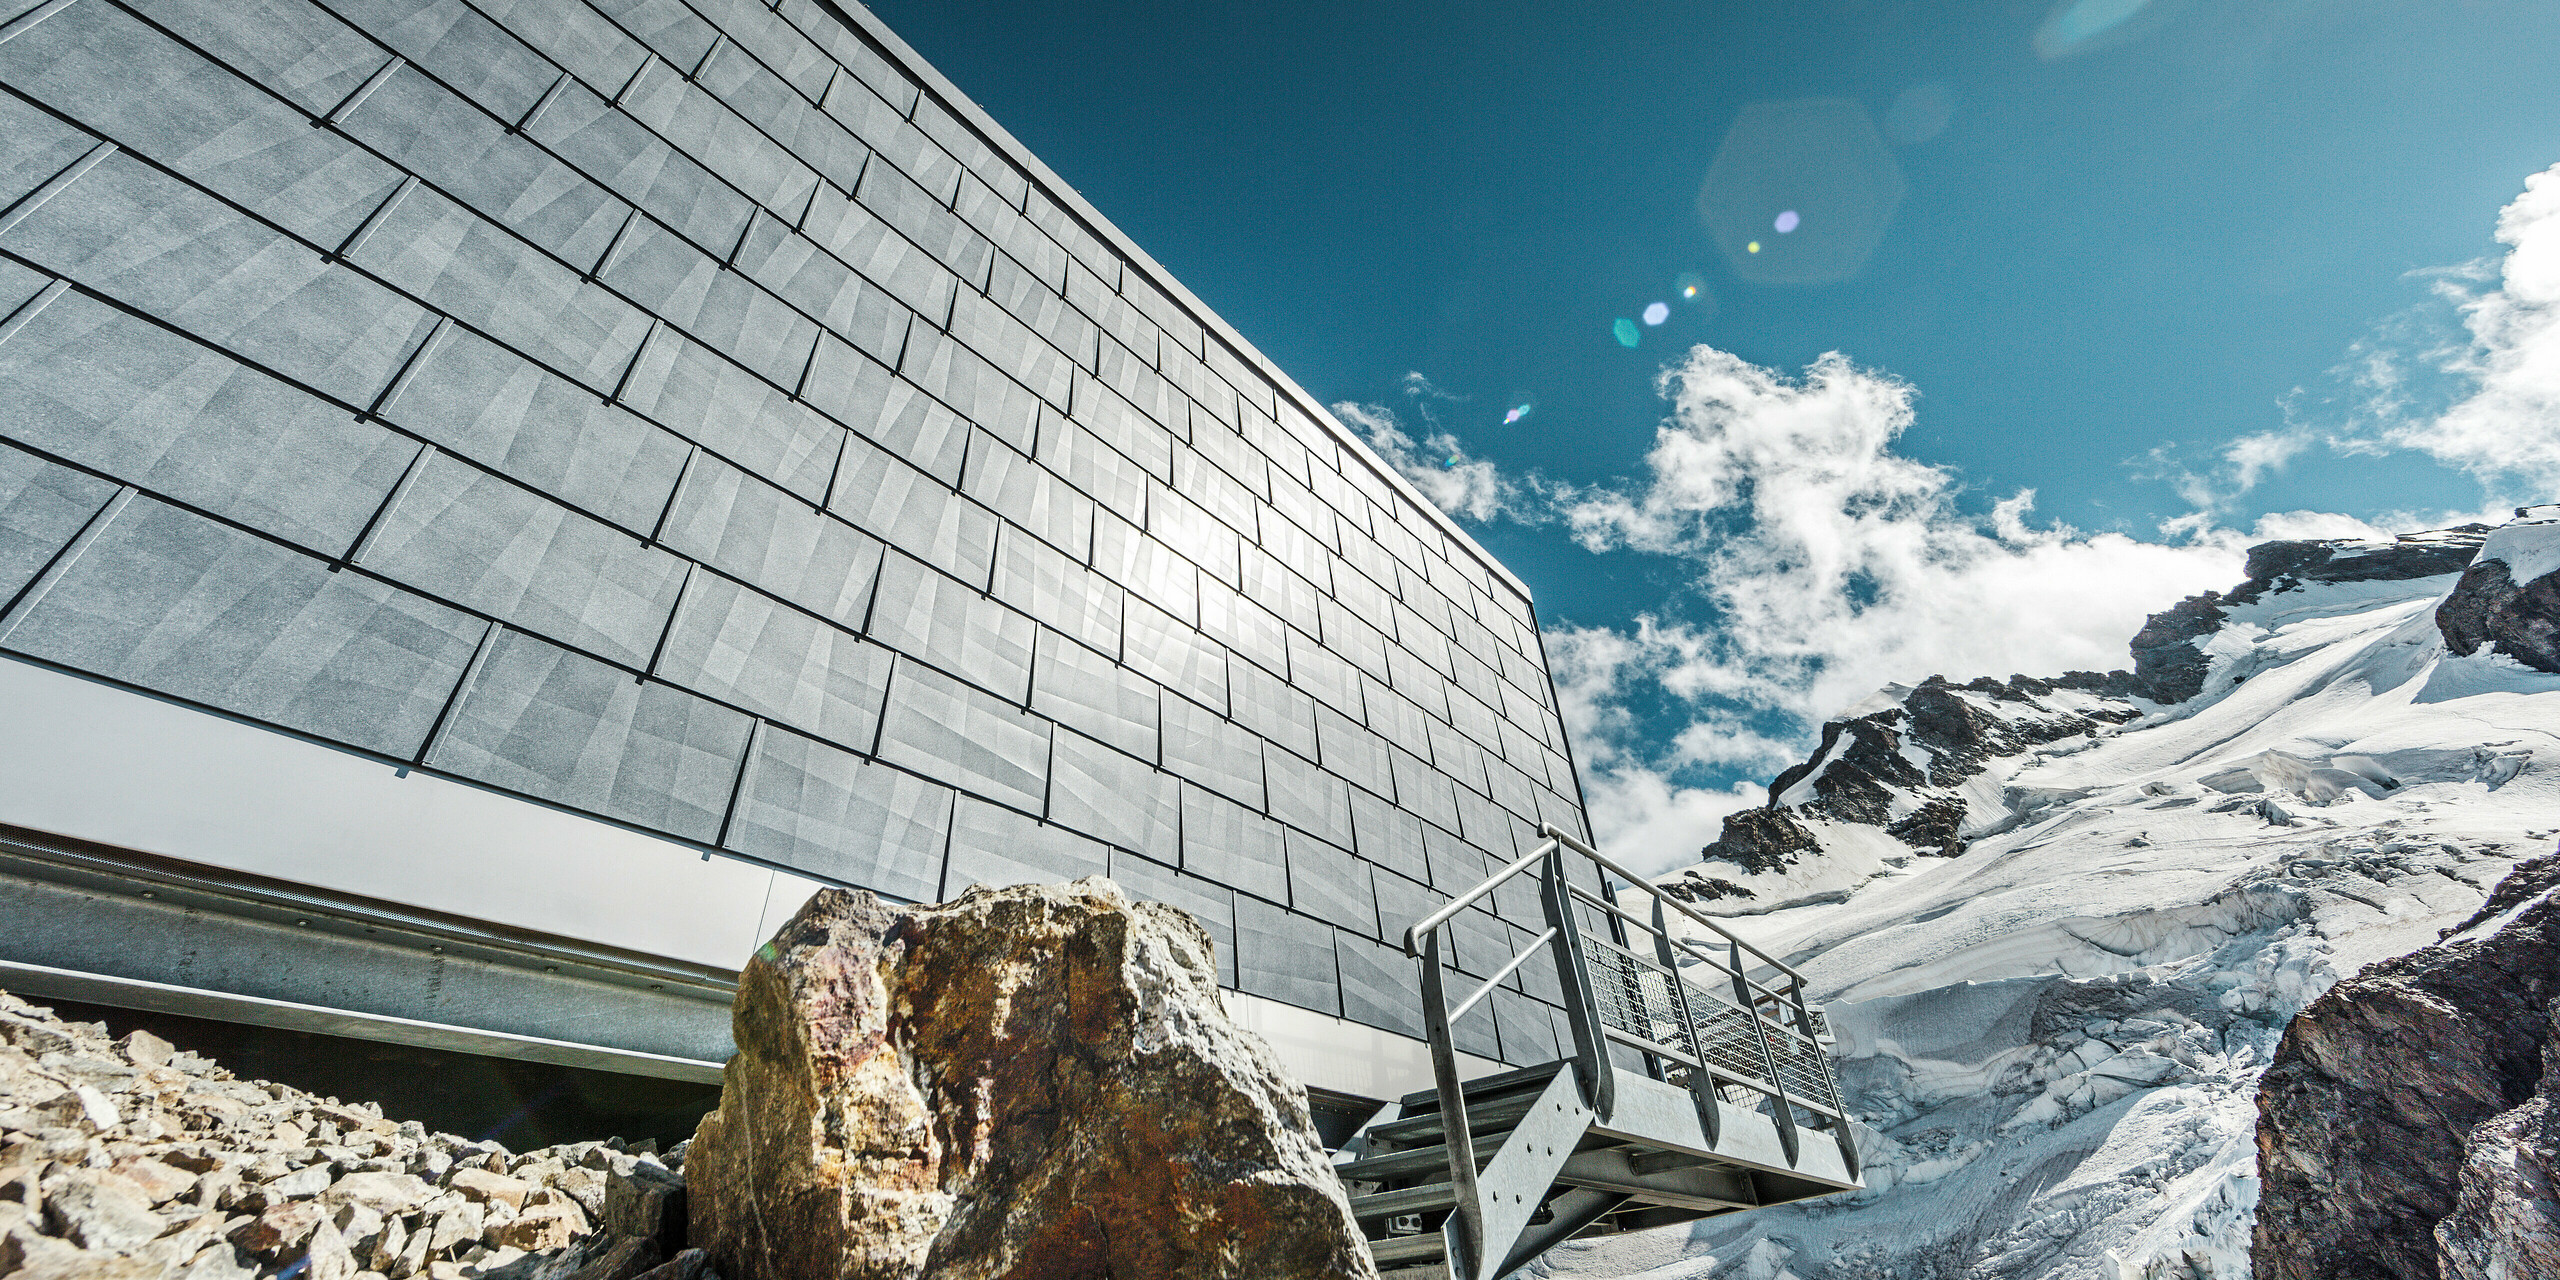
<point x="1655" y="825"/>
<point x="2506" y="430"/>
<point x="1638" y="811"/>
<point x="1438" y="466"/>
<point x="2238" y="466"/>
<point x="1455" y="481"/>
<point x="1831" y="566"/>
<point x="2306" y="525"/>
<point x="1835" y="565"/>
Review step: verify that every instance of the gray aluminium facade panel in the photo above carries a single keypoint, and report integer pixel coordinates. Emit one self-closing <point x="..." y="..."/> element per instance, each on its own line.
<point x="697" y="414"/>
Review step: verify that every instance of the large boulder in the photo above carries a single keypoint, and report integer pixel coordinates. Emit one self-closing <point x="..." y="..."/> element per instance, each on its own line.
<point x="2506" y="1214"/>
<point x="2509" y="599"/>
<point x="1028" y="1082"/>
<point x="2404" y="1127"/>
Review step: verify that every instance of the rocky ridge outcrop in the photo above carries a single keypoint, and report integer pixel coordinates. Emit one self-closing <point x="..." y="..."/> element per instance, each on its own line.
<point x="132" y="1160"/>
<point x="1901" y="768"/>
<point x="1904" y="767"/>
<point x="2409" y="1126"/>
<point x="2509" y="599"/>
<point x="1033" y="1083"/>
<point x="2169" y="668"/>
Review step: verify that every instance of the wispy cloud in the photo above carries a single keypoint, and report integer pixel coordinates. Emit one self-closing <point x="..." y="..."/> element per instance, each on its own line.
<point x="2471" y="377"/>
<point x="2506" y="431"/>
<point x="1454" y="480"/>
<point x="2237" y="467"/>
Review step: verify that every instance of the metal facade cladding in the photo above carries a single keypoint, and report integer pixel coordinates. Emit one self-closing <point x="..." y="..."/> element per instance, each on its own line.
<point x="697" y="416"/>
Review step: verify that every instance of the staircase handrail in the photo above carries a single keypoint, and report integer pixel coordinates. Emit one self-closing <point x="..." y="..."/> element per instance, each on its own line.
<point x="1450" y="909"/>
<point x="1658" y="894"/>
<point x="1464" y="1229"/>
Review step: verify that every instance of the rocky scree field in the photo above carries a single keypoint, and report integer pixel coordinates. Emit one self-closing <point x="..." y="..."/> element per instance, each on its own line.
<point x="133" y="1160"/>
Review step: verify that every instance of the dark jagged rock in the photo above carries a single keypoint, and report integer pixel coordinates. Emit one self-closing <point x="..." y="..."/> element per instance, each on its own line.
<point x="2282" y="565"/>
<point x="2506" y="1214"/>
<point x="1759" y="840"/>
<point x="2489" y="609"/>
<point x="1855" y="770"/>
<point x="1864" y="766"/>
<point x="2384" y="1114"/>
<point x="1936" y="827"/>
<point x="2167" y="665"/>
<point x="1034" y="1083"/>
<point x="1691" y="887"/>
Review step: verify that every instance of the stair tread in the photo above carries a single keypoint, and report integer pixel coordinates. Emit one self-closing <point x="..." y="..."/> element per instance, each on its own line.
<point x="1411" y="1160"/>
<point x="1384" y="1204"/>
<point x="1427" y="1271"/>
<point x="1486" y="1086"/>
<point x="1483" y="1118"/>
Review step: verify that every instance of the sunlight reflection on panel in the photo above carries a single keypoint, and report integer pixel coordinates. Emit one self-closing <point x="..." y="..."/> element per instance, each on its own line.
<point x="1814" y="170"/>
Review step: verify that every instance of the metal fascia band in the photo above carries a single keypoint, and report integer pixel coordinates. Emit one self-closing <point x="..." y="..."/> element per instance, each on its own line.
<point x="194" y="1002"/>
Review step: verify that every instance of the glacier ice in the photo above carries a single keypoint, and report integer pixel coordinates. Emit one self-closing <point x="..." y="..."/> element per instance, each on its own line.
<point x="2052" y="1039"/>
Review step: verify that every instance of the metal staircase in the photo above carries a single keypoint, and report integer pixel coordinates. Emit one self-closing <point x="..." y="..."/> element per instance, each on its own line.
<point x="1698" y="1075"/>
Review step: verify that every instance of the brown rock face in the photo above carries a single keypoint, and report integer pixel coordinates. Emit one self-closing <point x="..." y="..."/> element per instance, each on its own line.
<point x="2506" y="1216"/>
<point x="1035" y="1082"/>
<point x="2404" y="1129"/>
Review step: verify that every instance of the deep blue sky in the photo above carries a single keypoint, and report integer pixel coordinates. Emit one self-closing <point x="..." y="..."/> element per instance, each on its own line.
<point x="2143" y="243"/>
<point x="2149" y="241"/>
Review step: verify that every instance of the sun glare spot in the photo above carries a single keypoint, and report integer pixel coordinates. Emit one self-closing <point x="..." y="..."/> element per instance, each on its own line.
<point x="2077" y="26"/>
<point x="1754" y="246"/>
<point x="1788" y="221"/>
<point x="1628" y="334"/>
<point x="1657" y="313"/>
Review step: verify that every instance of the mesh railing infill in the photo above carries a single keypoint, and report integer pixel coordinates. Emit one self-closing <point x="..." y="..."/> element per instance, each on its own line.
<point x="1732" y="1042"/>
<point x="1634" y="995"/>
<point x="1803" y="1069"/>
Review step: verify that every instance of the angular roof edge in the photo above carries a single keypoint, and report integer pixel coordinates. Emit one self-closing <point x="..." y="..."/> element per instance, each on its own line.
<point x="871" y="27"/>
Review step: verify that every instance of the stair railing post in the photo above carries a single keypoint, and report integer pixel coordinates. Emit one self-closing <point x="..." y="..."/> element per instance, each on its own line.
<point x="1779" y="1108"/>
<point x="1581" y="1005"/>
<point x="1702" y="1085"/>
<point x="1464" y="1230"/>
<point x="1839" y="1125"/>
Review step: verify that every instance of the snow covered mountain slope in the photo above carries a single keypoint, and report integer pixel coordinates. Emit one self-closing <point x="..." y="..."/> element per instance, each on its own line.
<point x="2056" y="1032"/>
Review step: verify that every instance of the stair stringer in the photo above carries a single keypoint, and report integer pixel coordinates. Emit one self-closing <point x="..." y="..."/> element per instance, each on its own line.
<point x="1575" y="1208"/>
<point x="1516" y="1184"/>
